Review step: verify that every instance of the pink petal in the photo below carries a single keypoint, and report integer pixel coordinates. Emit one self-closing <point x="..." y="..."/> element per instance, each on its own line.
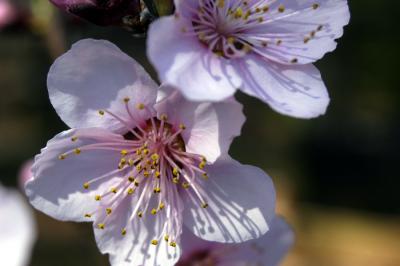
<point x="305" y="32"/>
<point x="96" y="75"/>
<point x="241" y="204"/>
<point x="57" y="187"/>
<point x="296" y="91"/>
<point x="184" y="63"/>
<point x="210" y="127"/>
<point x="17" y="229"/>
<point x="134" y="248"/>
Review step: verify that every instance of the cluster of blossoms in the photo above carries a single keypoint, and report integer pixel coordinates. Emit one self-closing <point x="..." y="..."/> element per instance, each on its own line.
<point x="148" y="165"/>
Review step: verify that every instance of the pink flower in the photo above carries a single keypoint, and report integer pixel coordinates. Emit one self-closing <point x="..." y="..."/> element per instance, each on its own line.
<point x="268" y="250"/>
<point x="136" y="166"/>
<point x="17" y="229"/>
<point x="8" y="13"/>
<point x="25" y="173"/>
<point x="265" y="48"/>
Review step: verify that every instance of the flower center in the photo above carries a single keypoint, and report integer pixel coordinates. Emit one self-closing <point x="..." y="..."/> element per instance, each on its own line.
<point x="154" y="168"/>
<point x="233" y="29"/>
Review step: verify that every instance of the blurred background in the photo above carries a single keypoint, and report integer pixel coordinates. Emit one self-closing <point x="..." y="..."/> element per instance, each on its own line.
<point x="336" y="176"/>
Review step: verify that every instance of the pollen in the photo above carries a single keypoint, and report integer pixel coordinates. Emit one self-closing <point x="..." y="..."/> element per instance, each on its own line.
<point x="315" y="6"/>
<point x="162" y="206"/>
<point x="175" y="180"/>
<point x="166" y="238"/>
<point x="182" y="126"/>
<point x="157" y="190"/>
<point x="123" y="231"/>
<point x="73" y="139"/>
<point x="124" y="152"/>
<point x="173" y="244"/>
<point x="154" y="242"/>
<point x="62" y="156"/>
<point x="175" y="171"/>
<point x="185" y="185"/>
<point x="281" y="8"/>
<point x="155" y="157"/>
<point x="204" y="205"/>
<point x="101" y="226"/>
<point x="202" y="165"/>
<point x="164" y="117"/>
<point x="87" y="215"/>
<point x="157" y="174"/>
<point x="114" y="190"/>
<point x="140" y="214"/>
<point x="154" y="211"/>
<point x="108" y="211"/>
<point x="126" y="99"/>
<point x="86" y="185"/>
<point x="130" y="191"/>
<point x="101" y="112"/>
<point x="97" y="197"/>
<point x="140" y="106"/>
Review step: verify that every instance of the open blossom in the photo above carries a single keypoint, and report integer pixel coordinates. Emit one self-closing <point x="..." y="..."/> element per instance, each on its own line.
<point x="140" y="163"/>
<point x="17" y="229"/>
<point x="211" y="48"/>
<point x="269" y="250"/>
<point x="8" y="13"/>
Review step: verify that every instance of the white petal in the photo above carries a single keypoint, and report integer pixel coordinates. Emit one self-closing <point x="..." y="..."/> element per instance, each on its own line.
<point x="306" y="33"/>
<point x="96" y="75"/>
<point x="57" y="187"/>
<point x="210" y="127"/>
<point x="241" y="201"/>
<point x="17" y="229"/>
<point x="184" y="63"/>
<point x="134" y="248"/>
<point x="297" y="91"/>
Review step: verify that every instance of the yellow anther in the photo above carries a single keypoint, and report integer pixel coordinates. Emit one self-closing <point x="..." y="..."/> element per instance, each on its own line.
<point x="164" y="117"/>
<point x="140" y="106"/>
<point x="146" y="151"/>
<point x="278" y="42"/>
<point x="154" y="211"/>
<point x="101" y="226"/>
<point x="247" y="15"/>
<point x="146" y="174"/>
<point x="162" y="206"/>
<point x="202" y="164"/>
<point x="281" y="8"/>
<point x="175" y="180"/>
<point x="136" y="183"/>
<point x="124" y="152"/>
<point x="260" y="19"/>
<point x="238" y="12"/>
<point x="87" y="215"/>
<point x="131" y="162"/>
<point x="139" y="167"/>
<point x="74" y="139"/>
<point x="114" y="190"/>
<point x="173" y="244"/>
<point x="205" y="176"/>
<point x="157" y="190"/>
<point x="166" y="238"/>
<point x="258" y="10"/>
<point x="123" y="231"/>
<point x="140" y="214"/>
<point x="139" y="151"/>
<point x="62" y="157"/>
<point x="126" y="99"/>
<point x="307" y="39"/>
<point x="175" y="171"/>
<point x="122" y="161"/>
<point x="131" y="179"/>
<point x="204" y="205"/>
<point x="108" y="211"/>
<point x="185" y="185"/>
<point x="86" y="185"/>
<point x="265" y="8"/>
<point x="182" y="126"/>
<point x="157" y="174"/>
<point x="315" y="6"/>
<point x="97" y="197"/>
<point x="130" y="191"/>
<point x="230" y="40"/>
<point x="154" y="242"/>
<point x="155" y="157"/>
<point x="101" y="112"/>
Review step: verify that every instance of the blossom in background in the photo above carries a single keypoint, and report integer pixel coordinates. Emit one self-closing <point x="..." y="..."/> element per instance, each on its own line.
<point x="17" y="228"/>
<point x="211" y="48"/>
<point x="25" y="173"/>
<point x="103" y="13"/>
<point x="139" y="163"/>
<point x="268" y="250"/>
<point x="8" y="13"/>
